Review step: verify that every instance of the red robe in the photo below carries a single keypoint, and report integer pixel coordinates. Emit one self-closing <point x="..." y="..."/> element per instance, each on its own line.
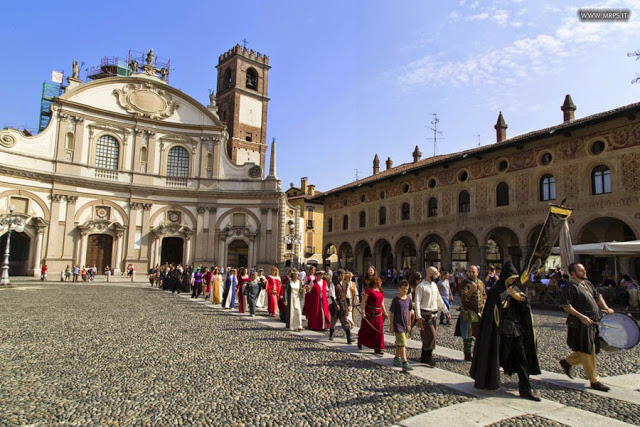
<point x="240" y="292"/>
<point x="371" y="333"/>
<point x="317" y="306"/>
<point x="273" y="290"/>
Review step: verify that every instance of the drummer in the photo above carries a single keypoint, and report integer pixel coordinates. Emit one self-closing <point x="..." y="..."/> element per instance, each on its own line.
<point x="581" y="300"/>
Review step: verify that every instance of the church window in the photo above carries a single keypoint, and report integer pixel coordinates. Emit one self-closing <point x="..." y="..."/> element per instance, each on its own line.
<point x="502" y="194"/>
<point x="178" y="162"/>
<point x="252" y="79"/>
<point x="601" y="180"/>
<point x="406" y="211"/>
<point x="432" y="208"/>
<point x="383" y="216"/>
<point x="228" y="79"/>
<point x="547" y="188"/>
<point x="464" y="201"/>
<point x="107" y="152"/>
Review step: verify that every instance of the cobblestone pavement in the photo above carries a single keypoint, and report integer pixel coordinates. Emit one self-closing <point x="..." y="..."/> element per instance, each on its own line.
<point x="97" y="354"/>
<point x="127" y="354"/>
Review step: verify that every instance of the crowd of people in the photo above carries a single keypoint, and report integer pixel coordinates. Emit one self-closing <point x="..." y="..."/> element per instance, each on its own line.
<point x="494" y="321"/>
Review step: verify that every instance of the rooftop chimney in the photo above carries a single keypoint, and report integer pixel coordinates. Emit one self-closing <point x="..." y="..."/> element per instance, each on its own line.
<point x="312" y="190"/>
<point x="568" y="109"/>
<point x="416" y="155"/>
<point x="303" y="184"/>
<point x="389" y="163"/>
<point x="376" y="165"/>
<point x="501" y="129"/>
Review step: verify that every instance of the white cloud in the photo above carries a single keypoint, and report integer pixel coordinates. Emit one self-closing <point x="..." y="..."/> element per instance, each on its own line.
<point x="500" y="16"/>
<point x="454" y="16"/>
<point x="478" y="17"/>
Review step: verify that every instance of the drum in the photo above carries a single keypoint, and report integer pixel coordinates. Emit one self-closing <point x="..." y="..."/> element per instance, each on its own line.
<point x="618" y="331"/>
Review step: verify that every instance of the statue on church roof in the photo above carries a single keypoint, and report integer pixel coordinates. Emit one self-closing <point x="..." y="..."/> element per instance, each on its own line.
<point x="75" y="69"/>
<point x="150" y="57"/>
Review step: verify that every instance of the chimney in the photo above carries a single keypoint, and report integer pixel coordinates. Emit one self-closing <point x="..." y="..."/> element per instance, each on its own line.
<point x="416" y="155"/>
<point x="312" y="190"/>
<point x="568" y="109"/>
<point x="303" y="184"/>
<point x="389" y="163"/>
<point x="501" y="129"/>
<point x="376" y="165"/>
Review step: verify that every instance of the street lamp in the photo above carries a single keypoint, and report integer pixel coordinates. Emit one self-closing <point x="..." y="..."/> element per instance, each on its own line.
<point x="9" y="221"/>
<point x="293" y="240"/>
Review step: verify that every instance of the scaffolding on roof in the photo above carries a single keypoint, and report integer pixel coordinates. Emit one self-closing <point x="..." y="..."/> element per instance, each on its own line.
<point x="50" y="91"/>
<point x="115" y="66"/>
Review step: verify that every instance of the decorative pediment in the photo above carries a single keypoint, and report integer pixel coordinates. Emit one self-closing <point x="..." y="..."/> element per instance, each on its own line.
<point x="100" y="226"/>
<point x="236" y="230"/>
<point x="172" y="137"/>
<point x="174" y="229"/>
<point x="108" y="127"/>
<point x="146" y="100"/>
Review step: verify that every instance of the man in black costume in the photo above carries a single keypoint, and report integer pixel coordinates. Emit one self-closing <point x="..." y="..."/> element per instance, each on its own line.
<point x="506" y="337"/>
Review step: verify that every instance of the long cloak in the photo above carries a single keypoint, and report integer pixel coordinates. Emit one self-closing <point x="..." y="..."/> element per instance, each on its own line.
<point x="485" y="367"/>
<point x="317" y="306"/>
<point x="229" y="295"/>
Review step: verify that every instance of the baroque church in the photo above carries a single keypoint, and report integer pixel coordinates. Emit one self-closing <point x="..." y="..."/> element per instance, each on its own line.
<point x="130" y="170"/>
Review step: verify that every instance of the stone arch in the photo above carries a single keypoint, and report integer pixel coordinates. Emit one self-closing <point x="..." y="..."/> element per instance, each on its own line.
<point x="605" y="229"/>
<point x="471" y="249"/>
<point x="88" y="205"/>
<point x="32" y="196"/>
<point x="406" y="253"/>
<point x="238" y="210"/>
<point x="383" y="256"/>
<point x="345" y="256"/>
<point x="508" y="247"/>
<point x="174" y="208"/>
<point x="430" y="257"/>
<point x="363" y="256"/>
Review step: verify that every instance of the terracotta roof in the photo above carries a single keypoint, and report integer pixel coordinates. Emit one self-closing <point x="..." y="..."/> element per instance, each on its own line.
<point x="307" y="197"/>
<point x="545" y="132"/>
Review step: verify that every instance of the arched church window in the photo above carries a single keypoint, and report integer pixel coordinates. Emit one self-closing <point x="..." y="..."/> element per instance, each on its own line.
<point x="601" y="180"/>
<point x="228" y="79"/>
<point x="383" y="216"/>
<point x="178" y="162"/>
<point x="502" y="194"/>
<point x="252" y="79"/>
<point x="433" y="207"/>
<point x="547" y="188"/>
<point x="107" y="152"/>
<point x="464" y="201"/>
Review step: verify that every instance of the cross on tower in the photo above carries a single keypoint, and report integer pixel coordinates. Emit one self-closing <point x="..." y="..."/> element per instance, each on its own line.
<point x="244" y="43"/>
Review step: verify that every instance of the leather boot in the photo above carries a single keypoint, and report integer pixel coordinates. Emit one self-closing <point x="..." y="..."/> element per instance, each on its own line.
<point x="423" y="356"/>
<point x="468" y="344"/>
<point x="430" y="360"/>
<point x="331" y="334"/>
<point x="349" y="340"/>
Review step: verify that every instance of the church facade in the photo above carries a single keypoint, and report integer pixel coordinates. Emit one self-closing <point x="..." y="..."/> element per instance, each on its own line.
<point x="487" y="205"/>
<point x="131" y="170"/>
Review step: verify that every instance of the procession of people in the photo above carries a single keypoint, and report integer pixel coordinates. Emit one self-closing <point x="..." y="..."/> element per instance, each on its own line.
<point x="495" y="322"/>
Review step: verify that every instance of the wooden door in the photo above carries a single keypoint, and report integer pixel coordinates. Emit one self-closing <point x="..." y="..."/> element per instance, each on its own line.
<point x="99" y="249"/>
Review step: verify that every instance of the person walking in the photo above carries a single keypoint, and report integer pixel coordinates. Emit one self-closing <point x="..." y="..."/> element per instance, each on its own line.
<point x="582" y="301"/>
<point x="251" y="291"/>
<point x="506" y="338"/>
<point x="428" y="302"/>
<point x="273" y="290"/>
<point x="229" y="295"/>
<point x="445" y="292"/>
<point x="400" y="314"/>
<point x="339" y="304"/>
<point x="316" y="306"/>
<point x="293" y="296"/>
<point x="473" y="296"/>
<point x="373" y="313"/>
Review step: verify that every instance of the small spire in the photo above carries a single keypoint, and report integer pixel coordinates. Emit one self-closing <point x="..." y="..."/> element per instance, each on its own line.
<point x="272" y="161"/>
<point x="389" y="163"/>
<point x="501" y="128"/>
<point x="416" y="155"/>
<point x="568" y="109"/>
<point x="376" y="165"/>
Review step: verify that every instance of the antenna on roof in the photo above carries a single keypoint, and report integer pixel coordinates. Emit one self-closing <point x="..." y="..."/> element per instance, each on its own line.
<point x="478" y="135"/>
<point x="357" y="174"/>
<point x="436" y="132"/>
<point x="637" y="55"/>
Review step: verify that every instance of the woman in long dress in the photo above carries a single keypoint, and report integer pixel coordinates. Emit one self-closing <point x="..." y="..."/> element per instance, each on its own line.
<point x="316" y="304"/>
<point x="371" y="332"/>
<point x="273" y="289"/>
<point x="216" y="283"/>
<point x="262" y="296"/>
<point x="243" y="279"/>
<point x="229" y="295"/>
<point x="293" y="295"/>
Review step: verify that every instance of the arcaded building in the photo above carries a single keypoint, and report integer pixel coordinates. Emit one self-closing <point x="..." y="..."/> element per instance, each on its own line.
<point x="130" y="170"/>
<point x="486" y="205"/>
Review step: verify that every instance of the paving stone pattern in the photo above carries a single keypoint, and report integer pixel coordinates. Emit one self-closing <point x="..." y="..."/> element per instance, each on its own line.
<point x="527" y="420"/>
<point x="99" y="354"/>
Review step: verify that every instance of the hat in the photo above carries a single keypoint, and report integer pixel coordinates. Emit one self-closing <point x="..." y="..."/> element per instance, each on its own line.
<point x="510" y="273"/>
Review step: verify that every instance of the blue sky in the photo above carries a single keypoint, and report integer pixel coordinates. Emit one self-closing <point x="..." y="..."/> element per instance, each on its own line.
<point x="349" y="79"/>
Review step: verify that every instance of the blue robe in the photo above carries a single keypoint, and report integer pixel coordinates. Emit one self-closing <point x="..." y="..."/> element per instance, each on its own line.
<point x="229" y="295"/>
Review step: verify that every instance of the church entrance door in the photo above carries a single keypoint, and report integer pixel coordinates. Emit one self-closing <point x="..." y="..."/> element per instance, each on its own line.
<point x="238" y="254"/>
<point x="172" y="248"/>
<point x="99" y="247"/>
<point x="18" y="253"/>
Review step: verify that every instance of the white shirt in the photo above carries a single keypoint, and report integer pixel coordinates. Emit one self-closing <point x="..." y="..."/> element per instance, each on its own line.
<point x="428" y="298"/>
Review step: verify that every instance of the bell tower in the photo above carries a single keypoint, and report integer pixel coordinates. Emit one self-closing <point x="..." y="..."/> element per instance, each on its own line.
<point x="243" y="77"/>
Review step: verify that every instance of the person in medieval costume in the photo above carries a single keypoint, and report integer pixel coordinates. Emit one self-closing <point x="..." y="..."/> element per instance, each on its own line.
<point x="251" y="291"/>
<point x="506" y="338"/>
<point x="339" y="304"/>
<point x="243" y="279"/>
<point x="473" y="296"/>
<point x="262" y="297"/>
<point x="216" y="286"/>
<point x="273" y="290"/>
<point x="316" y="306"/>
<point x="293" y="296"/>
<point x="373" y="311"/>
<point x="229" y="295"/>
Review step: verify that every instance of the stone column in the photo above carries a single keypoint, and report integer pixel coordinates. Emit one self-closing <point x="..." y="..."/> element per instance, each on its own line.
<point x="211" y="237"/>
<point x="187" y="250"/>
<point x="68" y="240"/>
<point x="262" y="239"/>
<point x="137" y="145"/>
<point x="151" y="162"/>
<point x="420" y="260"/>
<point x="84" y="237"/>
<point x="78" y="139"/>
<point x="200" y="254"/>
<point x="118" y="264"/>
<point x="145" y="250"/>
<point x="131" y="232"/>
<point x="38" y="254"/>
<point x="54" y="246"/>
<point x="63" y="129"/>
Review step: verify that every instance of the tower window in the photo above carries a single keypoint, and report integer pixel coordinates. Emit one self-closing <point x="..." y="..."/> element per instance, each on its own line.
<point x="228" y="79"/>
<point x="433" y="207"/>
<point x="502" y="194"/>
<point x="601" y="180"/>
<point x="252" y="79"/>
<point x="547" y="188"/>
<point x="464" y="202"/>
